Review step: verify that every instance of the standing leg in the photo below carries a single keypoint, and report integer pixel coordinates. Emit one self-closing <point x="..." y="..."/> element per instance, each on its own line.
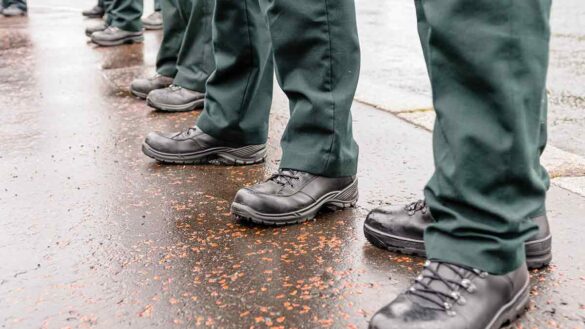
<point x="174" y="27"/>
<point x="317" y="55"/>
<point x="239" y="92"/>
<point x="316" y="51"/>
<point x="194" y="62"/>
<point x="402" y="228"/>
<point x="123" y="24"/>
<point x="488" y="179"/>
<point x="126" y="14"/>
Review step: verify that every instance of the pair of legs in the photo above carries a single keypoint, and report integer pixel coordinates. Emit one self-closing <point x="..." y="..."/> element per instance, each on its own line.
<point x="487" y="61"/>
<point x="314" y="49"/>
<point x="125" y="14"/>
<point x="185" y="58"/>
<point x="122" y="24"/>
<point x="103" y="7"/>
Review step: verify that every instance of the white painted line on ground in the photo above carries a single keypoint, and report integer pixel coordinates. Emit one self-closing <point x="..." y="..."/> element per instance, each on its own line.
<point x="566" y="169"/>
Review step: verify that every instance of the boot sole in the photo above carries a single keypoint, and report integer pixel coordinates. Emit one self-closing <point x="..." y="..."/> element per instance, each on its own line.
<point x="17" y="15"/>
<point x="191" y="106"/>
<point x="93" y="15"/>
<point x="152" y="27"/>
<point x="247" y="155"/>
<point x="128" y="40"/>
<point x="513" y="309"/>
<point x="336" y="200"/>
<point x="138" y="94"/>
<point x="538" y="252"/>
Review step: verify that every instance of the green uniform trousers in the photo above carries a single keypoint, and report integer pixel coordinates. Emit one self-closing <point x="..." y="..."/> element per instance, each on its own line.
<point x="186" y="51"/>
<point x="105" y="4"/>
<point x="126" y="14"/>
<point x="19" y="3"/>
<point x="316" y="55"/>
<point x="487" y="61"/>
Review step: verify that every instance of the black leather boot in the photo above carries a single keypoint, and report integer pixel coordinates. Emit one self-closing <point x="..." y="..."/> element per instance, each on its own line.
<point x="193" y="146"/>
<point x="102" y="26"/>
<point x="175" y="99"/>
<point x="448" y="296"/>
<point x="113" y="36"/>
<point x="141" y="87"/>
<point x="13" y="11"/>
<point x="153" y="21"/>
<point x="291" y="197"/>
<point x="95" y="12"/>
<point x="402" y="230"/>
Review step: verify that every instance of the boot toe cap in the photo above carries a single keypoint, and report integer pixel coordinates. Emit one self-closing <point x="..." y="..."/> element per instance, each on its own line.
<point x="382" y="218"/>
<point x="157" y="141"/>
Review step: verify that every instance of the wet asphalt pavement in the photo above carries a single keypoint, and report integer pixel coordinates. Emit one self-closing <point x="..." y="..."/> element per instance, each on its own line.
<point x="95" y="235"/>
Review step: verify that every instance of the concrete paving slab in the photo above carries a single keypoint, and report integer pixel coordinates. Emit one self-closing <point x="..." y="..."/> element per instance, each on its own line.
<point x="558" y="162"/>
<point x="573" y="184"/>
<point x="394" y="77"/>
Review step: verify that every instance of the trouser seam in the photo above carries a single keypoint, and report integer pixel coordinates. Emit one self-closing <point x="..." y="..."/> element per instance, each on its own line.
<point x="251" y="58"/>
<point x="330" y="82"/>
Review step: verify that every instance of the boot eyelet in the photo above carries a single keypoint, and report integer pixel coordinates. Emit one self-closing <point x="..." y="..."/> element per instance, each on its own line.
<point x="470" y="287"/>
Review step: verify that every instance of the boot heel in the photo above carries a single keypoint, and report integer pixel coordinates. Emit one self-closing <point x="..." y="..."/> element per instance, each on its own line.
<point x="246" y="155"/>
<point x="538" y="253"/>
<point x="345" y="199"/>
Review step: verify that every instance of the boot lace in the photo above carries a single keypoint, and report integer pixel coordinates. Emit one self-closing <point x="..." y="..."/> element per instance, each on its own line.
<point x="186" y="133"/>
<point x="111" y="29"/>
<point x="416" y="206"/>
<point x="444" y="300"/>
<point x="285" y="177"/>
<point x="154" y="77"/>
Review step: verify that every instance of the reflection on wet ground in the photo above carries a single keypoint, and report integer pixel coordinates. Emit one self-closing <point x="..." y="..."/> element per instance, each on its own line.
<point x="94" y="234"/>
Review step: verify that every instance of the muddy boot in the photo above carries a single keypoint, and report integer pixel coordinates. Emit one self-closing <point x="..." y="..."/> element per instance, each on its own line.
<point x="153" y="21"/>
<point x="450" y="296"/>
<point x="95" y="28"/>
<point x="402" y="230"/>
<point x="113" y="36"/>
<point x="142" y="87"/>
<point x="13" y="11"/>
<point x="291" y="197"/>
<point x="95" y="12"/>
<point x="175" y="99"/>
<point x="193" y="146"/>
